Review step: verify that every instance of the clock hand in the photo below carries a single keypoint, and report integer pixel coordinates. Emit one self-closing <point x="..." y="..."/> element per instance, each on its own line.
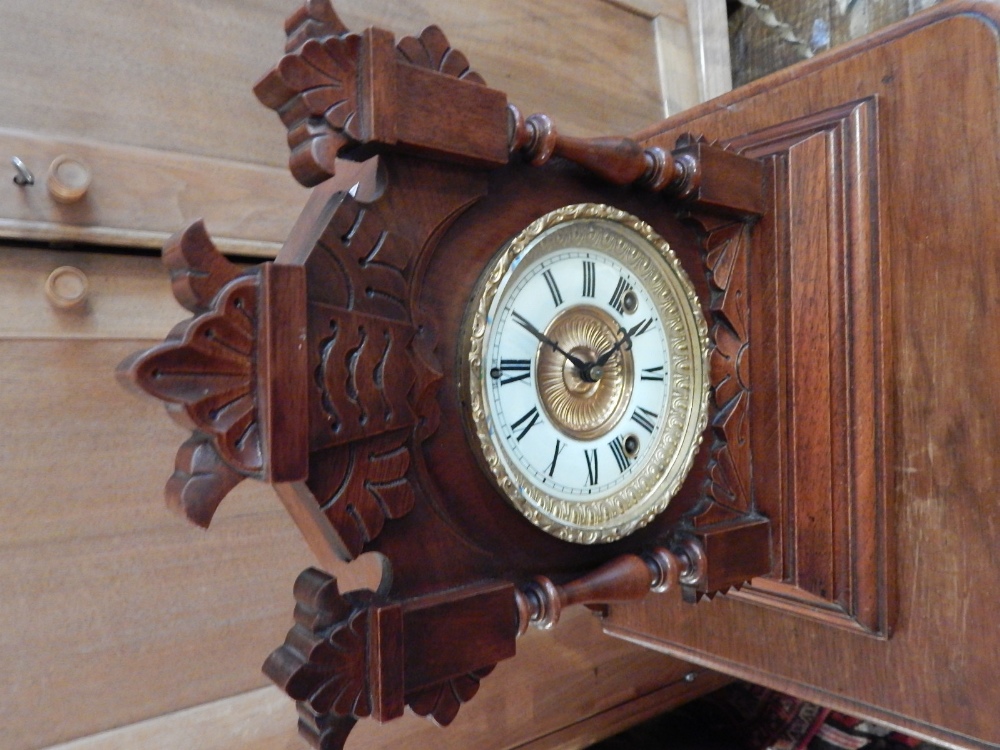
<point x="524" y="323"/>
<point x="626" y="338"/>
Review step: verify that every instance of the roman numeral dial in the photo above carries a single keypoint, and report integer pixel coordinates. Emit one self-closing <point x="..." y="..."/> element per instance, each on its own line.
<point x="573" y="372"/>
<point x="578" y="382"/>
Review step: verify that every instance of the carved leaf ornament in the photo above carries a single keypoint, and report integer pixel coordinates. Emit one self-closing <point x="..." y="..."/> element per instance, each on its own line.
<point x="432" y="50"/>
<point x="316" y="92"/>
<point x="726" y="263"/>
<point x="204" y="371"/>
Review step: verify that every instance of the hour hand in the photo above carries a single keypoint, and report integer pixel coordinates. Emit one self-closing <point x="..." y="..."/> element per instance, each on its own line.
<point x="625" y="339"/>
<point x="526" y="325"/>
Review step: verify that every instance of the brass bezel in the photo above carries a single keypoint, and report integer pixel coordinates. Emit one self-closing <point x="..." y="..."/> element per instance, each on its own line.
<point x="638" y="247"/>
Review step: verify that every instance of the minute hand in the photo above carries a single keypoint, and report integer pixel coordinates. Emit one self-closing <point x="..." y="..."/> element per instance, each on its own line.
<point x="526" y="325"/>
<point x="625" y="339"/>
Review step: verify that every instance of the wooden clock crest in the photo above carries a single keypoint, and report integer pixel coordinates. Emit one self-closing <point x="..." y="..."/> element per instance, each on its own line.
<point x="335" y="373"/>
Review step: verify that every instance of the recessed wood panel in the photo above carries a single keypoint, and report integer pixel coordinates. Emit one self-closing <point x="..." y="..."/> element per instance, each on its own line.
<point x="826" y="477"/>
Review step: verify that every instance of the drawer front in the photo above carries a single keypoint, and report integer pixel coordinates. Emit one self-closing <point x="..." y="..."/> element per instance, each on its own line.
<point x="114" y="609"/>
<point x="137" y="197"/>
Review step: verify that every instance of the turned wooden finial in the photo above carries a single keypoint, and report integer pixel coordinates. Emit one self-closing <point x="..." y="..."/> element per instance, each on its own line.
<point x="621" y="161"/>
<point x="625" y="578"/>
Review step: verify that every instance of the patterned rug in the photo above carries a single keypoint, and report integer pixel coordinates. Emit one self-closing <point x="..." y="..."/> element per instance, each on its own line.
<point x="770" y="720"/>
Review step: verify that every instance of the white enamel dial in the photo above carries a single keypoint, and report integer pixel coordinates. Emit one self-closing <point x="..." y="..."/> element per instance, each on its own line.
<point x="545" y="444"/>
<point x="587" y="382"/>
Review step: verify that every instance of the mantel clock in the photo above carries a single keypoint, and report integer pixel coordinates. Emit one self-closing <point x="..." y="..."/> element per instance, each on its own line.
<point x="516" y="365"/>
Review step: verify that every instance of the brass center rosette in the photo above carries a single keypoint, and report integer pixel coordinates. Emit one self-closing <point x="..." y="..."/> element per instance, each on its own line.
<point x="579" y="408"/>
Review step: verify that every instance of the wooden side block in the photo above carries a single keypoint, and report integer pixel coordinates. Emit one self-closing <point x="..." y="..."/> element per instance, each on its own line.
<point x="437" y="633"/>
<point x="726" y="182"/>
<point x="734" y="553"/>
<point x="377" y="101"/>
<point x="283" y="399"/>
<point x="385" y="662"/>
<point x="451" y="118"/>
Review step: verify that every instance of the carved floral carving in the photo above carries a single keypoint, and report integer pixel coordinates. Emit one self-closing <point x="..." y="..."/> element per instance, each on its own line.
<point x="314" y="91"/>
<point x="200" y="480"/>
<point x="362" y="485"/>
<point x="319" y="92"/>
<point x="323" y="664"/>
<point x="729" y="469"/>
<point x="433" y="51"/>
<point x="324" y="731"/>
<point x="358" y="263"/>
<point x="369" y="387"/>
<point x="442" y="702"/>
<point x="319" y="371"/>
<point x="323" y="659"/>
<point x="315" y="19"/>
<point x="204" y="371"/>
<point x="364" y="374"/>
<point x="334" y="655"/>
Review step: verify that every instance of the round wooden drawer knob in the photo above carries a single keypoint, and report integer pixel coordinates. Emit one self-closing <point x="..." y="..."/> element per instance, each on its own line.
<point x="68" y="179"/>
<point x="67" y="287"/>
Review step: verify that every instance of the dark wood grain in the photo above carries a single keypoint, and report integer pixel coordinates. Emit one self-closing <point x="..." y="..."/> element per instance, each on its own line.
<point x="389" y="466"/>
<point x="915" y="306"/>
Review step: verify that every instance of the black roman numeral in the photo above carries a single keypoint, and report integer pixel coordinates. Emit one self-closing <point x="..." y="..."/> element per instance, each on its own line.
<point x="617" y="298"/>
<point x="652" y="373"/>
<point x="553" y="288"/>
<point x="520" y="366"/>
<point x="591" y="466"/>
<point x="644" y="418"/>
<point x="589" y="278"/>
<point x="555" y="456"/>
<point x="618" y="449"/>
<point x="531" y="418"/>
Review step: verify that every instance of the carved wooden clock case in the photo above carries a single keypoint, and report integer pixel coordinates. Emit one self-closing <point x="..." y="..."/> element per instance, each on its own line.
<point x="342" y="374"/>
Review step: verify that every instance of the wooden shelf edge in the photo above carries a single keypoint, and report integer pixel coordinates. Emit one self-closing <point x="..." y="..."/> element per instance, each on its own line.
<point x="139" y="196"/>
<point x="273" y="708"/>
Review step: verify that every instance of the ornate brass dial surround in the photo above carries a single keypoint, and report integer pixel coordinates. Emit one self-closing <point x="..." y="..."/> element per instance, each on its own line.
<point x="570" y="402"/>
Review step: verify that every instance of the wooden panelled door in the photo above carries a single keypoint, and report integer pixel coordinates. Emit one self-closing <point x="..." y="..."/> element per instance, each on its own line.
<point x="877" y="277"/>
